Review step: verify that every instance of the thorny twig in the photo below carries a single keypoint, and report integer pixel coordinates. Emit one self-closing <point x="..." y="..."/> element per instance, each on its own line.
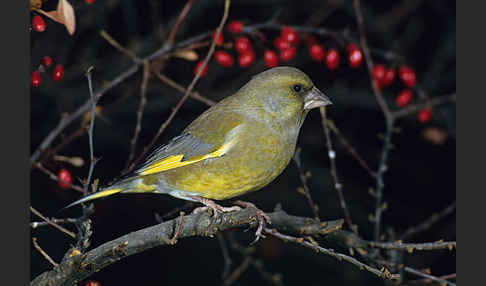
<point x="410" y="247"/>
<point x="303" y="180"/>
<point x="332" y="158"/>
<point x="388" y="118"/>
<point x="416" y="272"/>
<point x="301" y="241"/>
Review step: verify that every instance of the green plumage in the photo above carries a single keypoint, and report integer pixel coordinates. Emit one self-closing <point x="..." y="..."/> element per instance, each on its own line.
<point x="239" y="145"/>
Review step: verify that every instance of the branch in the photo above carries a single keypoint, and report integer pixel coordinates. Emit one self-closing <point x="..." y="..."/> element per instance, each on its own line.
<point x="429" y="222"/>
<point x="76" y="266"/>
<point x="410" y="247"/>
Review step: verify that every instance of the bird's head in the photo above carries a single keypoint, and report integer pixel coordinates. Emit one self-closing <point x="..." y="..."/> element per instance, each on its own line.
<point x="286" y="92"/>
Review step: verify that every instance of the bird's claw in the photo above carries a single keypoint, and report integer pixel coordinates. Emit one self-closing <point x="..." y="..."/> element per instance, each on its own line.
<point x="262" y="219"/>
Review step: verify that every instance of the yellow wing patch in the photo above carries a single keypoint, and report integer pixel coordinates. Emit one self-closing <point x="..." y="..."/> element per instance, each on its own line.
<point x="175" y="161"/>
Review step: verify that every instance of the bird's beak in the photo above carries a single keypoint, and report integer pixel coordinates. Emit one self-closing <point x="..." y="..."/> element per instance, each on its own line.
<point x="315" y="98"/>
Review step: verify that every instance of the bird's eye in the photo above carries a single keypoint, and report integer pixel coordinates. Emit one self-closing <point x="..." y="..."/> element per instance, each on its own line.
<point x="297" y="87"/>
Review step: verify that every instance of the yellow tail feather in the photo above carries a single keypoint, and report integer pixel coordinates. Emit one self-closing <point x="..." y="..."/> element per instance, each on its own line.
<point x="94" y="196"/>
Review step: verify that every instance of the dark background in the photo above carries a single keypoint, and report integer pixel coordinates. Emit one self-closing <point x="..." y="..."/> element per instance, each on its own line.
<point x="421" y="176"/>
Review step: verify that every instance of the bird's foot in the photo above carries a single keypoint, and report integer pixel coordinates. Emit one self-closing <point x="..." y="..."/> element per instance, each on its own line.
<point x="210" y="204"/>
<point x="262" y="218"/>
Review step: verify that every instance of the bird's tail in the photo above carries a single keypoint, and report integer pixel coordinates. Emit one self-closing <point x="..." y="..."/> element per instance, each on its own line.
<point x="97" y="195"/>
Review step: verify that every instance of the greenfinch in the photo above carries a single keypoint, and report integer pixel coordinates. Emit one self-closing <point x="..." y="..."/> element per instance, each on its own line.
<point x="237" y="146"/>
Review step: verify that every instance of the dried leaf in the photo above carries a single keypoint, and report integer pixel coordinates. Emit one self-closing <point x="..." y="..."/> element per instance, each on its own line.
<point x="435" y="135"/>
<point x="64" y="14"/>
<point x="67" y="12"/>
<point x="189" y="55"/>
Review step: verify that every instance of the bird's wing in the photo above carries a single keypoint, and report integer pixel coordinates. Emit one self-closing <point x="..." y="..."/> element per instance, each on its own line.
<point x="182" y="150"/>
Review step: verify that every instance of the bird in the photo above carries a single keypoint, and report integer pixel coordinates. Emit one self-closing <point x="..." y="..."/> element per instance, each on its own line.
<point x="237" y="146"/>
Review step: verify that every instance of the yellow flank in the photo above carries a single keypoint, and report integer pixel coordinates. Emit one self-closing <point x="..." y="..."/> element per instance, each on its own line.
<point x="175" y="161"/>
<point x="145" y="188"/>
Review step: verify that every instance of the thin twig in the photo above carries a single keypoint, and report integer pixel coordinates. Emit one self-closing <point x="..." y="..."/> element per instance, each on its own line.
<point x="384" y="273"/>
<point x="46" y="256"/>
<point x="119" y="47"/>
<point x="332" y="159"/>
<point x="180" y="18"/>
<point x="36" y="224"/>
<point x="238" y="272"/>
<point x="349" y="148"/>
<point x="90" y="133"/>
<point x="427" y="103"/>
<point x="303" y="180"/>
<point x="275" y="279"/>
<point x="226" y="257"/>
<point x="188" y="90"/>
<point x="50" y="222"/>
<point x="388" y="118"/>
<point x="54" y="177"/>
<point x="141" y="108"/>
<point x="410" y="247"/>
<point x="426" y="224"/>
<point x="182" y="89"/>
<point x="426" y="280"/>
<point x="417" y="272"/>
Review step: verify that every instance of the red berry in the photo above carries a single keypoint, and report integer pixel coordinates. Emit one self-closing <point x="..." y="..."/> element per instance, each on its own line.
<point x="235" y="27"/>
<point x="200" y="65"/>
<point x="424" y="115"/>
<point x="317" y="52"/>
<point x="58" y="73"/>
<point x="404" y="98"/>
<point x="38" y="23"/>
<point x="89" y="1"/>
<point x="242" y="44"/>
<point x="378" y="73"/>
<point x="287" y="54"/>
<point x="92" y="282"/>
<point x="332" y="59"/>
<point x="220" y="39"/>
<point x="270" y="58"/>
<point x="281" y="44"/>
<point x="355" y="56"/>
<point x="224" y="58"/>
<point x="388" y="77"/>
<point x="407" y="75"/>
<point x="35" y="79"/>
<point x="47" y="61"/>
<point x="64" y="179"/>
<point x="246" y="58"/>
<point x="288" y="34"/>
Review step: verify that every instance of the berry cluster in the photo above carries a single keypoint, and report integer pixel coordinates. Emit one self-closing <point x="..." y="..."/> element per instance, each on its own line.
<point x="46" y="62"/>
<point x="384" y="77"/>
<point x="283" y="49"/>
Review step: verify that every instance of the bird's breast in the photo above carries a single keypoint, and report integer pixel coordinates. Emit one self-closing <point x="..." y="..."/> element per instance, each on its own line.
<point x="253" y="161"/>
